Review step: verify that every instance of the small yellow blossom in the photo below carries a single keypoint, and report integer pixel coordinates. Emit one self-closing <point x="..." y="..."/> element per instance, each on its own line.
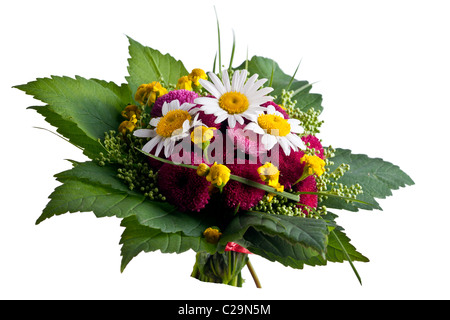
<point x="212" y="235"/>
<point x="130" y="111"/>
<point x="218" y="175"/>
<point x="196" y="75"/>
<point x="313" y="165"/>
<point x="184" y="83"/>
<point x="148" y="93"/>
<point x="128" y="125"/>
<point x="270" y="175"/>
<point x="202" y="134"/>
<point x="202" y="169"/>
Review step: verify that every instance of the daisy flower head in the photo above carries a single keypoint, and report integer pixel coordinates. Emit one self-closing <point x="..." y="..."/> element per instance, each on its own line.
<point x="174" y="125"/>
<point x="275" y="129"/>
<point x="236" y="99"/>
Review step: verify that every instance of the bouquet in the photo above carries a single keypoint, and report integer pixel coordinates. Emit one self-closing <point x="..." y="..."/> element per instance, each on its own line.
<point x="227" y="163"/>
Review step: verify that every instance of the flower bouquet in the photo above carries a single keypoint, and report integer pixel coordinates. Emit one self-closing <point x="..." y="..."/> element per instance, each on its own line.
<point x="226" y="163"/>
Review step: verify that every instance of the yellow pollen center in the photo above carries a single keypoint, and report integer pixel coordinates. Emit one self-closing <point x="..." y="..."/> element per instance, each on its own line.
<point x="171" y="122"/>
<point x="275" y="125"/>
<point x="233" y="102"/>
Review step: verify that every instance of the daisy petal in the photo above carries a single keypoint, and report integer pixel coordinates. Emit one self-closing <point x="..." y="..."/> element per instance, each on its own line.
<point x="285" y="146"/>
<point x="151" y="144"/>
<point x="144" y="133"/>
<point x="239" y="118"/>
<point x="210" y="88"/>
<point x="165" y="108"/>
<point x="154" y="121"/>
<point x="218" y="84"/>
<point x="268" y="141"/>
<point x="226" y="81"/>
<point x="220" y="118"/>
<point x="250" y="82"/>
<point x="232" y="121"/>
<point x="252" y="126"/>
<point x="159" y="148"/>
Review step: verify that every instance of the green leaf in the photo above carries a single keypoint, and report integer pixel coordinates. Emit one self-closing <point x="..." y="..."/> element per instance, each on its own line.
<point x="146" y="65"/>
<point x="309" y="233"/>
<point x="71" y="131"/>
<point x="137" y="238"/>
<point x="275" y="248"/>
<point x="377" y="177"/>
<point x="264" y="68"/>
<point x="82" y="110"/>
<point x="334" y="252"/>
<point x="88" y="187"/>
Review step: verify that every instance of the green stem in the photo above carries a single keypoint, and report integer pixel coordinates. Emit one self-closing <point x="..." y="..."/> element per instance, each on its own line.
<point x="218" y="38"/>
<point x="253" y="273"/>
<point x="348" y="257"/>
<point x="328" y="194"/>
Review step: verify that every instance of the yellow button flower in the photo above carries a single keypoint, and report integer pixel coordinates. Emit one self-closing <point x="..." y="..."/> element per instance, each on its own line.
<point x="130" y="111"/>
<point x="202" y="169"/>
<point x="270" y="175"/>
<point x="184" y="83"/>
<point x="196" y="75"/>
<point x="212" y="235"/>
<point x="128" y="125"/>
<point x="313" y="165"/>
<point x="202" y="134"/>
<point x="148" y="93"/>
<point x="218" y="175"/>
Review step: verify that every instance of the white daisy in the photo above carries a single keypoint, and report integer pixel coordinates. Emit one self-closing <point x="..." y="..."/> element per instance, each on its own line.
<point x="173" y="126"/>
<point x="277" y="130"/>
<point x="236" y="100"/>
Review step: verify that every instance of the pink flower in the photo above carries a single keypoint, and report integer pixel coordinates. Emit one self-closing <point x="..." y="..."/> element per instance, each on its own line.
<point x="180" y="95"/>
<point x="314" y="143"/>
<point x="238" y="194"/>
<point x="244" y="142"/>
<point x="183" y="187"/>
<point x="290" y="168"/>
<point x="309" y="200"/>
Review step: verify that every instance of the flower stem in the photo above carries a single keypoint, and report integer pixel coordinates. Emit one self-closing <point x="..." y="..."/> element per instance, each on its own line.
<point x="253" y="273"/>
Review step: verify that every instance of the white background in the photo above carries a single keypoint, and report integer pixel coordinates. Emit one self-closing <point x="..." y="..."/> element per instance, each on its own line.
<point x="383" y="69"/>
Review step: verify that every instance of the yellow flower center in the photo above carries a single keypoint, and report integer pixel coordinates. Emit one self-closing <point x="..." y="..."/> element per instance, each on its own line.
<point x="171" y="122"/>
<point x="233" y="102"/>
<point x="275" y="125"/>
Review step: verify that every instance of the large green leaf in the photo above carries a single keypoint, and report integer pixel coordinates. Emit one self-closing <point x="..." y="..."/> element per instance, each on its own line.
<point x="296" y="255"/>
<point x="146" y="65"/>
<point x="82" y="110"/>
<point x="335" y="252"/>
<point x="264" y="67"/>
<point x="88" y="187"/>
<point x="137" y="238"/>
<point x="377" y="177"/>
<point x="309" y="233"/>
